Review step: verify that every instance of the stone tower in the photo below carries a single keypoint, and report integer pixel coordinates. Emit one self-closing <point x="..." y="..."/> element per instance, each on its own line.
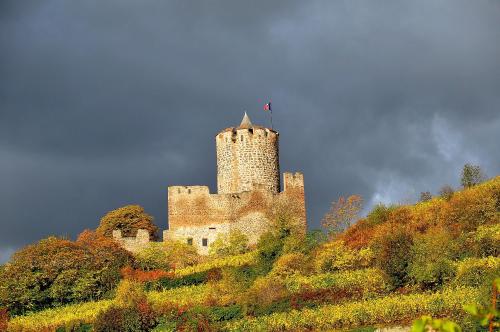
<point x="247" y="159"/>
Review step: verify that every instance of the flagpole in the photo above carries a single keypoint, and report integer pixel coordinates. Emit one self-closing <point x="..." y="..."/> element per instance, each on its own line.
<point x="271" y="111"/>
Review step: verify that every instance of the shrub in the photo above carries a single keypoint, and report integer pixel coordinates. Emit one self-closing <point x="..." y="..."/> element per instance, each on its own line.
<point x="288" y="264"/>
<point x="128" y="219"/>
<point x="473" y="207"/>
<point x="263" y="294"/>
<point x="335" y="256"/>
<point x="57" y="271"/>
<point x="118" y="319"/>
<point x="234" y="243"/>
<point x="379" y="214"/>
<point x="475" y="272"/>
<point x="129" y="293"/>
<point x="392" y="246"/>
<point x="167" y="255"/>
<point x="487" y="240"/>
<point x="431" y="258"/>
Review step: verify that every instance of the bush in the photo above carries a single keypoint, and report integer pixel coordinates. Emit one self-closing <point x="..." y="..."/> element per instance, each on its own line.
<point x="289" y="264"/>
<point x="487" y="240"/>
<point x="118" y="319"/>
<point x="264" y="294"/>
<point x="379" y="214"/>
<point x="335" y="256"/>
<point x="129" y="294"/>
<point x="128" y="219"/>
<point x="234" y="243"/>
<point x="57" y="271"/>
<point x="167" y="255"/>
<point x="431" y="258"/>
<point x="473" y="272"/>
<point x="392" y="247"/>
<point x="473" y="207"/>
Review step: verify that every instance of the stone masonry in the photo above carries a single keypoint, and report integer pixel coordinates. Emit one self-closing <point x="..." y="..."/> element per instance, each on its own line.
<point x="248" y="188"/>
<point x="248" y="193"/>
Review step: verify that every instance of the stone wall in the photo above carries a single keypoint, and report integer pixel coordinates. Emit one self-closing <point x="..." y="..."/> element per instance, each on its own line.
<point x="132" y="244"/>
<point x="247" y="157"/>
<point x="195" y="214"/>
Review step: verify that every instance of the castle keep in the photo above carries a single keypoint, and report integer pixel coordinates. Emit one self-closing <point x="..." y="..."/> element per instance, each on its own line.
<point x="248" y="190"/>
<point x="248" y="193"/>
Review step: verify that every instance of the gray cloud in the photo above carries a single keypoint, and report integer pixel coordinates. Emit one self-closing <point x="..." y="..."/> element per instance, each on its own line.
<point x="106" y="103"/>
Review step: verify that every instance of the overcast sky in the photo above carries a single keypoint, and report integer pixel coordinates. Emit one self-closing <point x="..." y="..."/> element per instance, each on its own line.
<point x="106" y="103"/>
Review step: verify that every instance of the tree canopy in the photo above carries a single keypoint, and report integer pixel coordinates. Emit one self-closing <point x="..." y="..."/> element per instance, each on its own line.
<point x="128" y="219"/>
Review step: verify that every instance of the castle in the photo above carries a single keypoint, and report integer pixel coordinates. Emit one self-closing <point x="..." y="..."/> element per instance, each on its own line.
<point x="248" y="192"/>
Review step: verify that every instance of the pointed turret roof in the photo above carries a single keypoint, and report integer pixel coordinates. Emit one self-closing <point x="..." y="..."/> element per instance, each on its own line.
<point x="246" y="123"/>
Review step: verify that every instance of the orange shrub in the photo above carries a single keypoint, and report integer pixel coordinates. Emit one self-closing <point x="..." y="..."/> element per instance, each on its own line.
<point x="358" y="235"/>
<point x="4" y="318"/>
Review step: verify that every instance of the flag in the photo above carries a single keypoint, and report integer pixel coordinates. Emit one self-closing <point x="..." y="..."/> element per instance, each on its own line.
<point x="267" y="107"/>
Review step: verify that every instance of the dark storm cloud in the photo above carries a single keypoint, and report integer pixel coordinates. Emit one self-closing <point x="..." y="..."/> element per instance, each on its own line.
<point x="105" y="103"/>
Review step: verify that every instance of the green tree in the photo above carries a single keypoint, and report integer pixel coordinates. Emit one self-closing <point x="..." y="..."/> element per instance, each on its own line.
<point x="471" y="175"/>
<point x="128" y="219"/>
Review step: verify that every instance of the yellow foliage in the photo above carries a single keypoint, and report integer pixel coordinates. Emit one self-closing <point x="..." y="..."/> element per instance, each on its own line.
<point x="385" y="310"/>
<point x="289" y="264"/>
<point x="231" y="261"/>
<point x="369" y="281"/>
<point x="129" y="293"/>
<point x="68" y="316"/>
<point x="335" y="256"/>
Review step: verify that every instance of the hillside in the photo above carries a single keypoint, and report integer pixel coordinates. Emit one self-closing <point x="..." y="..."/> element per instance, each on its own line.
<point x="388" y="269"/>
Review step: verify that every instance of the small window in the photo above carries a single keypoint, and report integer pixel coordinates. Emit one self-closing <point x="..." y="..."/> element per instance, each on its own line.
<point x="242" y="138"/>
<point x="189" y="191"/>
<point x="178" y="191"/>
<point x="204" y="242"/>
<point x="190" y="241"/>
<point x="211" y="228"/>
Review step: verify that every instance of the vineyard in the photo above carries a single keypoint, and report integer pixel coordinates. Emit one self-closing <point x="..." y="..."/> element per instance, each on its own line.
<point x="435" y="258"/>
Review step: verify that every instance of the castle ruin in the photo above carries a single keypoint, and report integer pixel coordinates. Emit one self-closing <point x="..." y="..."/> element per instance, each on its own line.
<point x="248" y="189"/>
<point x="248" y="193"/>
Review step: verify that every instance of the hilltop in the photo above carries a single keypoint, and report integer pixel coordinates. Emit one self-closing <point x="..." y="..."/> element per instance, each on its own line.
<point x="387" y="269"/>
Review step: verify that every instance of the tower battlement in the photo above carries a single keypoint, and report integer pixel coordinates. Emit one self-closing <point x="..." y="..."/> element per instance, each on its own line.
<point x="247" y="155"/>
<point x="248" y="187"/>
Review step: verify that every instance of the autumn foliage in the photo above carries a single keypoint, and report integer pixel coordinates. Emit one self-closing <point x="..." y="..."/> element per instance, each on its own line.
<point x="128" y="219"/>
<point x="341" y="214"/>
<point x="56" y="271"/>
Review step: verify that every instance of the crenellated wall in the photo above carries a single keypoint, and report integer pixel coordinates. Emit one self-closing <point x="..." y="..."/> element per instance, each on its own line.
<point x="248" y="193"/>
<point x="196" y="214"/>
<point x="133" y="243"/>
